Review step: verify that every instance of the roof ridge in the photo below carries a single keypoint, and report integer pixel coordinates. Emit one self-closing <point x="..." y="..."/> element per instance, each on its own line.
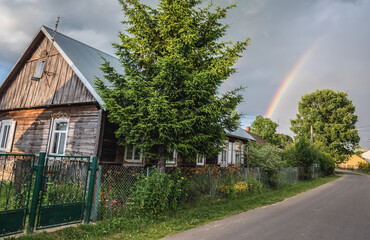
<point x="79" y="42"/>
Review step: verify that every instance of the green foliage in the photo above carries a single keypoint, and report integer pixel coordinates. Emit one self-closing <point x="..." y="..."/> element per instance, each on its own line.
<point x="364" y="167"/>
<point x="173" y="63"/>
<point x="254" y="186"/>
<point x="327" y="164"/>
<point x="266" y="128"/>
<point x="303" y="154"/>
<point x="157" y="193"/>
<point x="332" y="116"/>
<point x="284" y="140"/>
<point x="269" y="159"/>
<point x="186" y="217"/>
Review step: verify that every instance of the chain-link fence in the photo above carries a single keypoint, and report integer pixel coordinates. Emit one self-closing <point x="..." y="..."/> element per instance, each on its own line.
<point x="116" y="184"/>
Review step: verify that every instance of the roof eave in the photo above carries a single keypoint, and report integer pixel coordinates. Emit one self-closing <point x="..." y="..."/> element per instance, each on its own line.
<point x="21" y="59"/>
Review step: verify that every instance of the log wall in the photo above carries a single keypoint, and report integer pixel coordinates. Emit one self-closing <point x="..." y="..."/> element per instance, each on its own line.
<point x="33" y="127"/>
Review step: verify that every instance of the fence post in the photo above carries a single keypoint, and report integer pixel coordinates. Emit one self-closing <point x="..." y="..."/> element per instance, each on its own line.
<point x="96" y="204"/>
<point x="246" y="174"/>
<point x="210" y="184"/>
<point x="36" y="192"/>
<point x="91" y="190"/>
<point x="147" y="171"/>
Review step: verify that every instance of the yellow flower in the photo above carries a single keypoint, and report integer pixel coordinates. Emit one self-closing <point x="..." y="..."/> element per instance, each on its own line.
<point x="182" y="177"/>
<point x="146" y="178"/>
<point x="178" y="180"/>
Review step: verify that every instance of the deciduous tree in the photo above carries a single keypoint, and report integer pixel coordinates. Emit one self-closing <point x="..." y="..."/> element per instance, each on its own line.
<point x="333" y="118"/>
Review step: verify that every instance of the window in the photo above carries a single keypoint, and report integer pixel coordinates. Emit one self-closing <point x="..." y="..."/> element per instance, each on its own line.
<point x="239" y="153"/>
<point x="39" y="69"/>
<point x="59" y="136"/>
<point x="223" y="155"/>
<point x="172" y="158"/>
<point x="231" y="154"/>
<point x="133" y="154"/>
<point x="7" y="129"/>
<point x="200" y="160"/>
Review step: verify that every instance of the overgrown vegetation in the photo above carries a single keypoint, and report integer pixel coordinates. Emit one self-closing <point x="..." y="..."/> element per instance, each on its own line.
<point x="185" y="217"/>
<point x="364" y="167"/>
<point x="303" y="154"/>
<point x="269" y="159"/>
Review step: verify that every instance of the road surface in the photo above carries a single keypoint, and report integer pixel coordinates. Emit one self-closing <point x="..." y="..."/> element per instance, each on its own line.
<point x="337" y="210"/>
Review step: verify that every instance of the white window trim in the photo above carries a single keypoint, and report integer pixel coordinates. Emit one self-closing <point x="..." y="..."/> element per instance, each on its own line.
<point x="173" y="161"/>
<point x="241" y="152"/>
<point x="223" y="155"/>
<point x="132" y="159"/>
<point x="54" y="121"/>
<point x="202" y="160"/>
<point x="10" y="134"/>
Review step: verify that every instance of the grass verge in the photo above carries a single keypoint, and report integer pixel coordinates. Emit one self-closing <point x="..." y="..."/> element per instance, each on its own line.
<point x="184" y="218"/>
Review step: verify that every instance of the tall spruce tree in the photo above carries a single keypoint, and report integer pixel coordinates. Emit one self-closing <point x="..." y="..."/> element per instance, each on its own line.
<point x="174" y="63"/>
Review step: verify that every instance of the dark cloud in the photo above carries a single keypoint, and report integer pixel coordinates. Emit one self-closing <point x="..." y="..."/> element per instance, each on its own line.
<point x="281" y="33"/>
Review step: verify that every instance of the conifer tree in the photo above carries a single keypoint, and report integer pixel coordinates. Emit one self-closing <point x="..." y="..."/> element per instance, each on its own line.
<point x="173" y="61"/>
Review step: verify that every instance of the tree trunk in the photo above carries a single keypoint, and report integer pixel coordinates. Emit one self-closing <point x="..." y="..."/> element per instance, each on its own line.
<point x="161" y="167"/>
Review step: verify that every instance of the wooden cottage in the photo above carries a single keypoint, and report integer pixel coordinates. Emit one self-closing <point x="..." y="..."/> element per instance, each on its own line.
<point x="48" y="103"/>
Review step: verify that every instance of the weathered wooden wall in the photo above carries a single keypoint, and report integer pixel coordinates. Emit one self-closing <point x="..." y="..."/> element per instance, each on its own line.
<point x="33" y="126"/>
<point x="60" y="86"/>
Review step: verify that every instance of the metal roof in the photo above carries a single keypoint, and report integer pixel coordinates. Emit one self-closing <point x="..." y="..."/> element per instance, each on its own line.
<point x="240" y="133"/>
<point x="85" y="61"/>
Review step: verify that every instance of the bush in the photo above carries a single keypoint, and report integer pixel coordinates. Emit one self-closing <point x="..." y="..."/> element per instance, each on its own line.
<point x="269" y="159"/>
<point x="254" y="186"/>
<point x="364" y="167"/>
<point x="157" y="193"/>
<point x="327" y="164"/>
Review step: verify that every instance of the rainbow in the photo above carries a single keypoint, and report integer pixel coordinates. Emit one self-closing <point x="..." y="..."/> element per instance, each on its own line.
<point x="289" y="78"/>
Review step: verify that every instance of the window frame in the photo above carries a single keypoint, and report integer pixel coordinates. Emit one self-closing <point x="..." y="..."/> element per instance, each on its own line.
<point x="53" y="132"/>
<point x="10" y="132"/>
<point x="223" y="155"/>
<point x="132" y="159"/>
<point x="202" y="162"/>
<point x="172" y="162"/>
<point x="39" y="69"/>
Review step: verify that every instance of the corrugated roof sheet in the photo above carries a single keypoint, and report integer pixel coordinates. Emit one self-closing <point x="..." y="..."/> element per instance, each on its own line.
<point x="241" y="133"/>
<point x="85" y="60"/>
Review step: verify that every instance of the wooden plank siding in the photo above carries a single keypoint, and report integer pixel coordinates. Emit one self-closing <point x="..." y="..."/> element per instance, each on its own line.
<point x="60" y="85"/>
<point x="33" y="127"/>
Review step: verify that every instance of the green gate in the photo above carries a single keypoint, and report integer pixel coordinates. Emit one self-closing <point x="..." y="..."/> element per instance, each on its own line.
<point x="58" y="191"/>
<point x="16" y="175"/>
<point x="63" y="190"/>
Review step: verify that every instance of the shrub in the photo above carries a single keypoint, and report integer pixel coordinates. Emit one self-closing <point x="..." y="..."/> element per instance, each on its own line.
<point x="157" y="193"/>
<point x="254" y="186"/>
<point x="327" y="164"/>
<point x="269" y="159"/>
<point x="364" y="167"/>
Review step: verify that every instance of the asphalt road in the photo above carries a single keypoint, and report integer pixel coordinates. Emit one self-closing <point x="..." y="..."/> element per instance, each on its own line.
<point x="337" y="210"/>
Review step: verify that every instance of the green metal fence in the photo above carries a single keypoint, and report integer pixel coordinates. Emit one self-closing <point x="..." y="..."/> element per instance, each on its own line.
<point x="59" y="191"/>
<point x="16" y="172"/>
<point x="63" y="190"/>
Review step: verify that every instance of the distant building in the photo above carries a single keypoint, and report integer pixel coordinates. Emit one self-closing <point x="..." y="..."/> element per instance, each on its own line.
<point x="352" y="162"/>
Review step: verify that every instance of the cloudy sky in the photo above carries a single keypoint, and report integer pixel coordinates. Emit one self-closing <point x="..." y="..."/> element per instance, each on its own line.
<point x="315" y="43"/>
